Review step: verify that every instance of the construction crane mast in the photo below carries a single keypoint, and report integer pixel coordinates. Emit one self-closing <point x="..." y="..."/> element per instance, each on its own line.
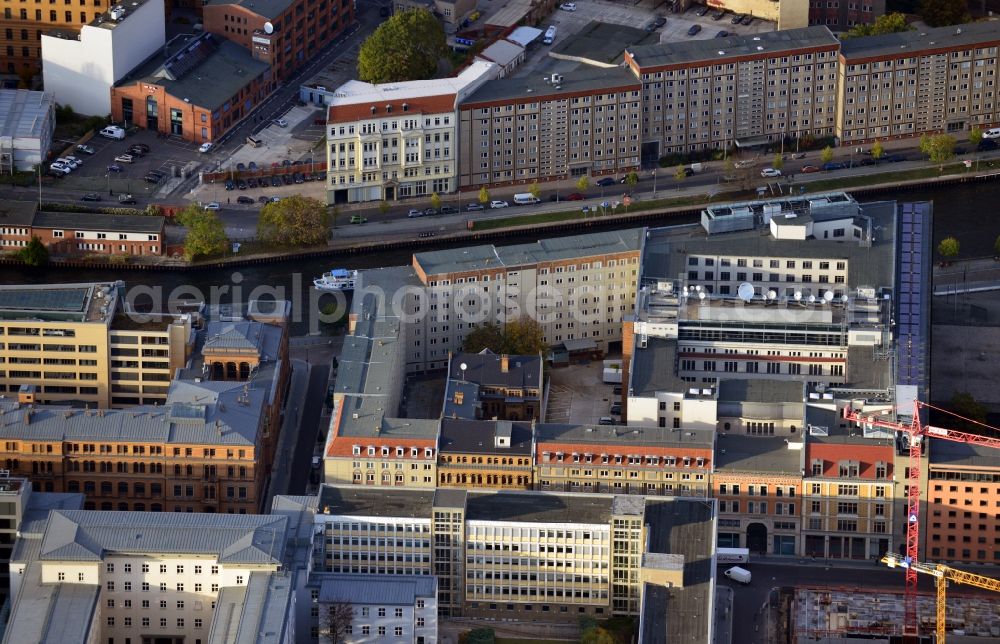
<point x="916" y="432"/>
<point x="942" y="575"/>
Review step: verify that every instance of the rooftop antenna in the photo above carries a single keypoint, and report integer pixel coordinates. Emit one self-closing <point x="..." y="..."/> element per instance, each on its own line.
<point x="745" y="291"/>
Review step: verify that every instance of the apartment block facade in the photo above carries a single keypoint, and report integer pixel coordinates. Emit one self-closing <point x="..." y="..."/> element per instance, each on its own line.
<point x="582" y="123"/>
<point x="395" y="140"/>
<point x="753" y="89"/>
<point x="926" y="81"/>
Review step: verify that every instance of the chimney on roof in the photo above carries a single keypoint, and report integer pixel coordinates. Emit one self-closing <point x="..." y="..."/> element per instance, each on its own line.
<point x="504" y="363"/>
<point x="27" y="416"/>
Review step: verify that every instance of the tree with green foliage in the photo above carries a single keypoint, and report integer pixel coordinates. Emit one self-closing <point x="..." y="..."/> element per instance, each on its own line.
<point x="484" y="195"/>
<point x="680" y="174"/>
<point x="405" y="47"/>
<point x="582" y="183"/>
<point x="478" y="636"/>
<point x="435" y="201"/>
<point x="877" y="151"/>
<point x="826" y="156"/>
<point x="294" y="221"/>
<point x="938" y="148"/>
<point x="948" y="248"/>
<point x="975" y="137"/>
<point x="206" y="236"/>
<point x="383" y="206"/>
<point x="889" y="23"/>
<point x="598" y="635"/>
<point x="523" y="336"/>
<point x="778" y="163"/>
<point x="942" y="13"/>
<point x="35" y="253"/>
<point x="631" y="179"/>
<point x="535" y="190"/>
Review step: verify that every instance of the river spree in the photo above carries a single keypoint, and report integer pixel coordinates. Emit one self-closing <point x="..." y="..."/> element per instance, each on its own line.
<point x="968" y="212"/>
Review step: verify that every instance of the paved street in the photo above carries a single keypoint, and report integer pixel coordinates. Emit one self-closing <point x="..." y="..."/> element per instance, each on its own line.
<point x="305" y="442"/>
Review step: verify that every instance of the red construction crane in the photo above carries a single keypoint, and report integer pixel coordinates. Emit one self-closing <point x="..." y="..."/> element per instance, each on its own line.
<point x="916" y="432"/>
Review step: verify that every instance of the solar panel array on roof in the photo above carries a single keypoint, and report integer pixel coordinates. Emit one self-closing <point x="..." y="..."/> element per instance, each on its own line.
<point x="50" y="299"/>
<point x="912" y="305"/>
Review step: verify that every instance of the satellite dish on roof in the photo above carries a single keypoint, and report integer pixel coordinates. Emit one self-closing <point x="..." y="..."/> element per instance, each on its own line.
<point x="268" y="28"/>
<point x="844" y="298"/>
<point x="828" y="296"/>
<point x="463" y="366"/>
<point x="772" y="294"/>
<point x="745" y="291"/>
<point x="701" y="295"/>
<point x="812" y="298"/>
<point x="798" y="295"/>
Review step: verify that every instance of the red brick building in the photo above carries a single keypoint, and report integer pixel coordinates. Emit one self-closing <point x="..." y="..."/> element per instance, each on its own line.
<point x="197" y="93"/>
<point x="65" y="233"/>
<point x="282" y="33"/>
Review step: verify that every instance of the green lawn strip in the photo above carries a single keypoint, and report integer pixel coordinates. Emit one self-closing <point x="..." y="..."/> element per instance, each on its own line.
<point x="884" y="177"/>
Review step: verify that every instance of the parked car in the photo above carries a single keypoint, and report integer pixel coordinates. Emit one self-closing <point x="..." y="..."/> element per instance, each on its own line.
<point x="736" y="18"/>
<point x="286" y="179"/>
<point x="358" y="219"/>
<point x="809" y="169"/>
<point x="430" y="212"/>
<point x="280" y="122"/>
<point x="606" y="420"/>
<point x="896" y="158"/>
<point x="91" y="196"/>
<point x="770" y="172"/>
<point x="114" y="167"/>
<point x="72" y="165"/>
<point x="136" y="152"/>
<point x="606" y="181"/>
<point x="568" y="6"/>
<point x="660" y="21"/>
<point x="474" y="206"/>
<point x="719" y="15"/>
<point x="415" y="213"/>
<point x="124" y="158"/>
<point x="449" y="210"/>
<point x="722" y="34"/>
<point x="205" y="147"/>
<point x="152" y="177"/>
<point x="616" y="408"/>
<point x="141" y="146"/>
<point x="241" y="184"/>
<point x="241" y="167"/>
<point x="252" y="165"/>
<point x="747" y="20"/>
<point x="703" y="11"/>
<point x="693" y="31"/>
<point x="497" y="203"/>
<point x="254" y="141"/>
<point x="78" y="161"/>
<point x="868" y="162"/>
<point x="263" y="199"/>
<point x="575" y="196"/>
<point x="245" y="200"/>
<point x="275" y="181"/>
<point x="426" y="233"/>
<point x="298" y="178"/>
<point x="251" y="182"/>
<point x="833" y="165"/>
<point x="230" y="184"/>
<point x="987" y="144"/>
<point x="126" y="199"/>
<point x="212" y="205"/>
<point x="86" y="149"/>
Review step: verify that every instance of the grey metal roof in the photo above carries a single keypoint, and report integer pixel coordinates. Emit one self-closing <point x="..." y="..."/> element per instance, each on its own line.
<point x="244" y="336"/>
<point x="51" y="613"/>
<point x="95" y="221"/>
<point x="912" y="43"/>
<point x="477" y="437"/>
<point x="450" y="498"/>
<point x="752" y="454"/>
<point x="653" y="369"/>
<point x="207" y="413"/>
<point x="617" y="439"/>
<point x="486" y="369"/>
<point x="681" y="527"/>
<point x="534" y="88"/>
<point x="763" y="390"/>
<point x="85" y="535"/>
<point x="226" y="70"/>
<point x="944" y="454"/>
<point x="17" y="213"/>
<point x="375" y="501"/>
<point x="539" y="507"/>
<point x="387" y="590"/>
<point x="268" y="8"/>
<point x="466" y="405"/>
<point x="502" y="52"/>
<point x="475" y="258"/>
<point x="716" y="50"/>
<point x="256" y="613"/>
<point x="23" y="113"/>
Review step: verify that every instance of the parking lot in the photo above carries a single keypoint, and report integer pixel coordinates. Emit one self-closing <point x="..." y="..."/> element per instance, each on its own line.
<point x="577" y="395"/>
<point x="165" y="155"/>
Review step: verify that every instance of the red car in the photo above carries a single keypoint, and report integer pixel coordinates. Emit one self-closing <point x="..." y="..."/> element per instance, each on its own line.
<point x="576" y="196"/>
<point x="809" y="168"/>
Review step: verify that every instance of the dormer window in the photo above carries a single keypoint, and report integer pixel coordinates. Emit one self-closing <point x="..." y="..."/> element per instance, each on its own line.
<point x="373" y="109"/>
<point x="385" y="451"/>
<point x="371" y="451"/>
<point x="356" y="450"/>
<point x="406" y="107"/>
<point x="399" y="451"/>
<point x="388" y="109"/>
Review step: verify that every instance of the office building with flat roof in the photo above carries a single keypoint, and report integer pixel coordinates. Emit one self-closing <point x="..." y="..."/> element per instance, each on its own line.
<point x="26" y="128"/>
<point x="526" y="555"/>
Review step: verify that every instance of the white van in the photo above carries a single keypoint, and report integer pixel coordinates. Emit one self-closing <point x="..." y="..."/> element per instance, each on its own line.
<point x="993" y="133"/>
<point x="741" y="575"/>
<point x="525" y="199"/>
<point x="550" y="35"/>
<point x="113" y="132"/>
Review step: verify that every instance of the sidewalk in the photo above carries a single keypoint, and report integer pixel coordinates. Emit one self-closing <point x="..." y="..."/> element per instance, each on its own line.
<point x="967" y="276"/>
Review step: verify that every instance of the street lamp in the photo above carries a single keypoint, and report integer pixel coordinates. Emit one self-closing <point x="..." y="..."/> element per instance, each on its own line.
<point x="654" y="181"/>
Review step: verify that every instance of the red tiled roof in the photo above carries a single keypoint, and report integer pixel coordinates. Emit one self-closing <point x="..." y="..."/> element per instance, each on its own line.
<point x="865" y="455"/>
